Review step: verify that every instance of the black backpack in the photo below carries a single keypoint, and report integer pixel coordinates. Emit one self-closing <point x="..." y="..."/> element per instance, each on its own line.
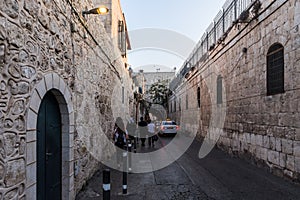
<point x="120" y="139"/>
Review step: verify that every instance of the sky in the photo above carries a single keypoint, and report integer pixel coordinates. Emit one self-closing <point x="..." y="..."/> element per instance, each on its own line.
<point x="164" y="32"/>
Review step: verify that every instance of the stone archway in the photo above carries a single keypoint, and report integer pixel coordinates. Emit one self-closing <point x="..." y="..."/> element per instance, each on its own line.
<point x="62" y="94"/>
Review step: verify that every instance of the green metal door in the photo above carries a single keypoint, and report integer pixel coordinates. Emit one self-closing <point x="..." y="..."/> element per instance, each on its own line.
<point x="49" y="149"/>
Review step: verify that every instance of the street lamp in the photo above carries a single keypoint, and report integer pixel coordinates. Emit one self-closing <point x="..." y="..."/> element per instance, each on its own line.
<point x="101" y="10"/>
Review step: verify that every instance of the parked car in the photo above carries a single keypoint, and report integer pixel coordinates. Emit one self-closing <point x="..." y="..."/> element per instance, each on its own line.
<point x="168" y="127"/>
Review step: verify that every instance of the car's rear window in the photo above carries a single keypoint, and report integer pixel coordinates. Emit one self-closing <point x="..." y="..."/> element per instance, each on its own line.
<point x="168" y="123"/>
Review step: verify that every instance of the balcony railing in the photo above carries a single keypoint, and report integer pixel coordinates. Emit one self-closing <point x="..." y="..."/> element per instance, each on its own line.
<point x="222" y="23"/>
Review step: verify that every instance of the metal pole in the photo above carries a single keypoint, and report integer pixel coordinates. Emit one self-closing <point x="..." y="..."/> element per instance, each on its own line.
<point x="136" y="109"/>
<point x="124" y="173"/>
<point x="129" y="156"/>
<point x="134" y="144"/>
<point x="106" y="184"/>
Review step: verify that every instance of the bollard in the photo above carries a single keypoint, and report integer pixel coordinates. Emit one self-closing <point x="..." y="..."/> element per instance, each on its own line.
<point x="124" y="173"/>
<point x="106" y="184"/>
<point x="134" y="144"/>
<point x="129" y="157"/>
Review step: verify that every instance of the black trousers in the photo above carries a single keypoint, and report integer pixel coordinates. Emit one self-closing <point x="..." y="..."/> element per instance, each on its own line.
<point x="151" y="140"/>
<point x="143" y="141"/>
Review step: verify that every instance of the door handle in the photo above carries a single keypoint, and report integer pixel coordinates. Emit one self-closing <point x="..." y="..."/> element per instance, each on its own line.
<point x="48" y="155"/>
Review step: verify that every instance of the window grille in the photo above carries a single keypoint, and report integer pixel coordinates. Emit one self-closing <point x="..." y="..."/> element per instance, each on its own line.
<point x="219" y="89"/>
<point x="198" y="96"/>
<point x="275" y="70"/>
<point x="122" y="37"/>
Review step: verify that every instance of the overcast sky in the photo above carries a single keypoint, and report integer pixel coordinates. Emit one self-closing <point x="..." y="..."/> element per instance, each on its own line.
<point x="179" y="23"/>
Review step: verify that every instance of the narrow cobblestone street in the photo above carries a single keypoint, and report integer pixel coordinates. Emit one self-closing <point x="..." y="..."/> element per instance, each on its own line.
<point x="218" y="176"/>
<point x="78" y="78"/>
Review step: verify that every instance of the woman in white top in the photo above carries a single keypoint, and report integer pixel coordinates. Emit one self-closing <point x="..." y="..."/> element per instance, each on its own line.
<point x="151" y="131"/>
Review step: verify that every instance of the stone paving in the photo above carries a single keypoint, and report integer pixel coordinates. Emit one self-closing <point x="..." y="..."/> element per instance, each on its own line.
<point x="218" y="176"/>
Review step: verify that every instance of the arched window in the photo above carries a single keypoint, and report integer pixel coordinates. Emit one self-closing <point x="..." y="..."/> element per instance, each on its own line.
<point x="219" y="89"/>
<point x="275" y="70"/>
<point x="198" y="96"/>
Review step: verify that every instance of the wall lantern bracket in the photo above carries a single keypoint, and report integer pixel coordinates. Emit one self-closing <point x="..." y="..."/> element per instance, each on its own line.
<point x="101" y="10"/>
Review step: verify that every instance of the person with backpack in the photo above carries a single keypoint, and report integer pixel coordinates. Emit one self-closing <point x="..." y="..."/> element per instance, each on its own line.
<point x="120" y="136"/>
<point x="143" y="131"/>
<point x="131" y="129"/>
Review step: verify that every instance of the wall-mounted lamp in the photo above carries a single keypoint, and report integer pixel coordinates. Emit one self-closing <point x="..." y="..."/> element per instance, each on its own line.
<point x="101" y="10"/>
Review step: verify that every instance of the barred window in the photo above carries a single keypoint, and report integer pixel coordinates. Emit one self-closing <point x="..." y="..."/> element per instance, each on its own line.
<point x="198" y="96"/>
<point x="219" y="89"/>
<point x="122" y="37"/>
<point x="275" y="70"/>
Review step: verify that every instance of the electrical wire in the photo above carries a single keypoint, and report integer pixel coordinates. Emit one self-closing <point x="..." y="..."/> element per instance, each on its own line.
<point x="114" y="69"/>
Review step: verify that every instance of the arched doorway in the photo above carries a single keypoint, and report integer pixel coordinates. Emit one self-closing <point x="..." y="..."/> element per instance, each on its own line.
<point x="49" y="149"/>
<point x="51" y="84"/>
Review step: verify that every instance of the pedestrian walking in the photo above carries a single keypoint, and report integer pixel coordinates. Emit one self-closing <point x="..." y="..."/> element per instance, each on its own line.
<point x="131" y="129"/>
<point x="143" y="131"/>
<point x="120" y="136"/>
<point x="151" y="132"/>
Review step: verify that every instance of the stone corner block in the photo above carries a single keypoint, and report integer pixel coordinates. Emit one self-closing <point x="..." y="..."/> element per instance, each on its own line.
<point x="297" y="148"/>
<point x="31" y="120"/>
<point x="287" y="146"/>
<point x="49" y="81"/>
<point x="35" y="101"/>
<point x="273" y="157"/>
<point x="56" y="81"/>
<point x="31" y="192"/>
<point x="62" y="86"/>
<point x="31" y="174"/>
<point x="41" y="88"/>
<point x="297" y="164"/>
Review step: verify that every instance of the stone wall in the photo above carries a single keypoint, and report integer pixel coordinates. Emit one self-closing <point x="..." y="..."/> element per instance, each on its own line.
<point x="49" y="42"/>
<point x="264" y="129"/>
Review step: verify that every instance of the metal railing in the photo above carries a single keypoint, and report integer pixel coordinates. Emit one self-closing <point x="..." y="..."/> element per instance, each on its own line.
<point x="222" y="23"/>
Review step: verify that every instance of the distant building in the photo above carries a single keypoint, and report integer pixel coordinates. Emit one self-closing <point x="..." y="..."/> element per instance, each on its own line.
<point x="143" y="82"/>
<point x="154" y="77"/>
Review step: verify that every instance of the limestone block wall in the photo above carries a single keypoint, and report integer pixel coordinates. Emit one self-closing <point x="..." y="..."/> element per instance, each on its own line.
<point x="111" y="20"/>
<point x="262" y="128"/>
<point x="48" y="45"/>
